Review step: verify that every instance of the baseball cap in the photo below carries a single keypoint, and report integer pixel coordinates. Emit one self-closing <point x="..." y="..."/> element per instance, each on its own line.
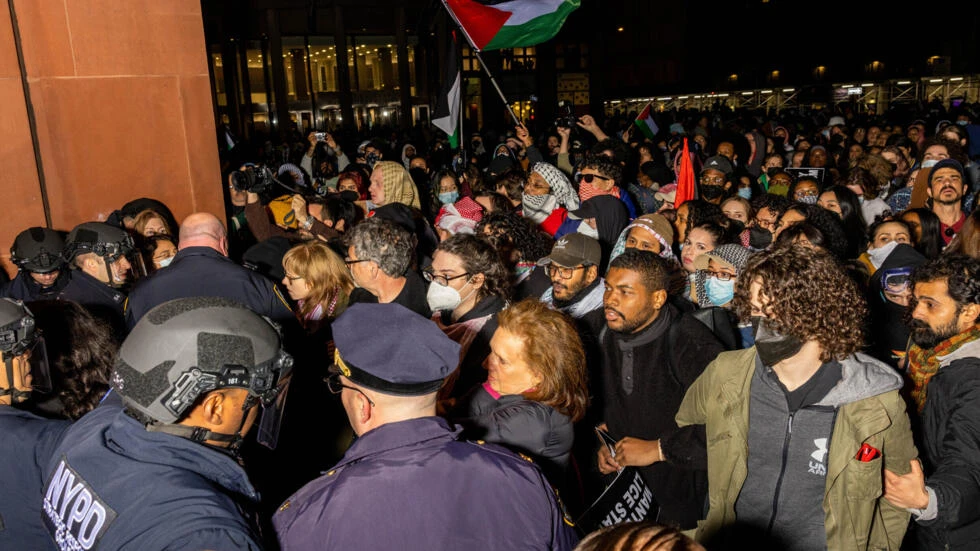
<point x="573" y="250"/>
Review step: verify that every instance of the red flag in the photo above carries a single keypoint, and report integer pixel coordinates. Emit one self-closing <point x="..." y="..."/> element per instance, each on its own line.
<point x="685" y="179"/>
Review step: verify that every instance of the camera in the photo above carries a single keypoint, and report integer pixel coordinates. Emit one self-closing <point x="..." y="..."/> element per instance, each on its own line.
<point x="254" y="179"/>
<point x="566" y="115"/>
<point x="320" y="136"/>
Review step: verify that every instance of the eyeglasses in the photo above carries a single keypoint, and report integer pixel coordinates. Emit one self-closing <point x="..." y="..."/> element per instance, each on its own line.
<point x="348" y="261"/>
<point x="589" y="178"/>
<point x="562" y="272"/>
<point x="293" y="278"/>
<point x="336" y="387"/>
<point x="721" y="276"/>
<point x="441" y="279"/>
<point x="766" y="224"/>
<point x="715" y="181"/>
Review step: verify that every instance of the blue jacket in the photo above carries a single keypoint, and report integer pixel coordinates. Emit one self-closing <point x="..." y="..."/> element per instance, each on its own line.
<point x="28" y="442"/>
<point x="204" y="272"/>
<point x="414" y="485"/>
<point x="23" y="287"/>
<point x="111" y="484"/>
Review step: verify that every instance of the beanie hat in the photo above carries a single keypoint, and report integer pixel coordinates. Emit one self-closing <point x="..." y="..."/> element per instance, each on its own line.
<point x="946" y="163"/>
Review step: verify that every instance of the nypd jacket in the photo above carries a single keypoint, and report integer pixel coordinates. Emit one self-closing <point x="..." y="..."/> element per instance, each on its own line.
<point x="23" y="287"/>
<point x="204" y="272"/>
<point x="414" y="485"/>
<point x="869" y="410"/>
<point x="28" y="442"/>
<point x="110" y="484"/>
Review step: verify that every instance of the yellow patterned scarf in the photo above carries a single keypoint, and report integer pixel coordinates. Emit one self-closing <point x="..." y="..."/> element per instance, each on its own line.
<point x="924" y="363"/>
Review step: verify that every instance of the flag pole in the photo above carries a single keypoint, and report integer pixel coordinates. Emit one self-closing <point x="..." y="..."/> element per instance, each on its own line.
<point x="476" y="52"/>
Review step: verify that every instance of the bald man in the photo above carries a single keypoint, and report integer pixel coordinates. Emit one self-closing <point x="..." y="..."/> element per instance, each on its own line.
<point x="202" y="268"/>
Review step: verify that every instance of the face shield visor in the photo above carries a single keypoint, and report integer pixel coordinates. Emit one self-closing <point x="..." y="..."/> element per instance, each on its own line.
<point x="22" y="341"/>
<point x="123" y="262"/>
<point x="268" y="386"/>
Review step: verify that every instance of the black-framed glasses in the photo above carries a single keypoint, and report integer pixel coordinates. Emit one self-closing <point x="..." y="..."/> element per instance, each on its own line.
<point x="721" y="276"/>
<point x="715" y="180"/>
<point x="589" y="178"/>
<point x="336" y="387"/>
<point x="441" y="279"/>
<point x="350" y="261"/>
<point x="562" y="272"/>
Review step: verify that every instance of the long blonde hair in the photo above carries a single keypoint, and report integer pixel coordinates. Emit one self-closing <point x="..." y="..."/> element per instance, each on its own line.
<point x="325" y="273"/>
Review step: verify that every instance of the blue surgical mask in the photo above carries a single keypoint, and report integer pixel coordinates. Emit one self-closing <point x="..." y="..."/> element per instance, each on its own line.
<point x="166" y="261"/>
<point x="448" y="197"/>
<point x="745" y="193"/>
<point x="719" y="292"/>
<point x="962" y="123"/>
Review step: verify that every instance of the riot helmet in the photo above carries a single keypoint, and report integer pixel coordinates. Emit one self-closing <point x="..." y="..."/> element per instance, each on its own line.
<point x="185" y="348"/>
<point x="38" y="250"/>
<point x="109" y="243"/>
<point x="20" y="338"/>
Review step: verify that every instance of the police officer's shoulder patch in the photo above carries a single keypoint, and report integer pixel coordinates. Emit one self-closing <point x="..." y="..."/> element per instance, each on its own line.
<point x="74" y="514"/>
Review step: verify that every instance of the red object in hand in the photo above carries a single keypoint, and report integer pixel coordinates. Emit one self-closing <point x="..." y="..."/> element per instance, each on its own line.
<point x="867" y="453"/>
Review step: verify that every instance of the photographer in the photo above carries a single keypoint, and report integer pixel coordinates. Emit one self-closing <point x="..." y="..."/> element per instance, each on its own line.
<point x="318" y="161"/>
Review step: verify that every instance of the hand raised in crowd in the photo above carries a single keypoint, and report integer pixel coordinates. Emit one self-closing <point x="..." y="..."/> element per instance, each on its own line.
<point x="907" y="491"/>
<point x="587" y="122"/>
<point x="311" y="137"/>
<point x="634" y="452"/>
<point x="565" y="133"/>
<point x="524" y="135"/>
<point x="299" y="209"/>
<point x="331" y="143"/>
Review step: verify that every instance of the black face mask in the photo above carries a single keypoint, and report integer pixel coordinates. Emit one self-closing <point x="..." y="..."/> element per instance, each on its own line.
<point x="759" y="238"/>
<point x="772" y="171"/>
<point x="348" y="195"/>
<point x="712" y="192"/>
<point x="773" y="347"/>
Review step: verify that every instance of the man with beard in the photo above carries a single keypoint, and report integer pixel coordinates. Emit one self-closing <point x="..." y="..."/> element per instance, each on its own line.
<point x="946" y="188"/>
<point x="651" y="354"/>
<point x="944" y="369"/>
<point x="576" y="288"/>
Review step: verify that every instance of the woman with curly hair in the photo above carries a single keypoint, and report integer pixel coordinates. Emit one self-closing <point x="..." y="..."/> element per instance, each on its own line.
<point x="801" y="422"/>
<point x="80" y="351"/>
<point x="520" y="245"/>
<point x="468" y="286"/>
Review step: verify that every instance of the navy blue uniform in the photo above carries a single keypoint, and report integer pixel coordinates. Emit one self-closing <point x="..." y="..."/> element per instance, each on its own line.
<point x="205" y="272"/>
<point x="28" y="444"/>
<point x="111" y="484"/>
<point x="414" y="485"/>
<point x="25" y="288"/>
<point x="101" y="300"/>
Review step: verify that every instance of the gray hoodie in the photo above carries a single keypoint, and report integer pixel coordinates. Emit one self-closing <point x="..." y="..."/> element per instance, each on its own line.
<point x="787" y="464"/>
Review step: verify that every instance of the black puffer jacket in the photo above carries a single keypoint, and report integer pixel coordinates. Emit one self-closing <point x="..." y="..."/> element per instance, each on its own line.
<point x="526" y="426"/>
<point x="951" y="451"/>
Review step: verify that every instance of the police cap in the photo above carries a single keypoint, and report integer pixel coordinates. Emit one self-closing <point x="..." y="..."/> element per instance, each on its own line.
<point x="408" y="355"/>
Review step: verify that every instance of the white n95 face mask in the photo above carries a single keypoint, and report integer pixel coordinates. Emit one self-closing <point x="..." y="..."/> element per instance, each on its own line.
<point x="442" y="297"/>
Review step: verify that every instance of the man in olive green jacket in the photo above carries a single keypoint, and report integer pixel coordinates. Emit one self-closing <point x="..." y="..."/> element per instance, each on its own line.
<point x="800" y="427"/>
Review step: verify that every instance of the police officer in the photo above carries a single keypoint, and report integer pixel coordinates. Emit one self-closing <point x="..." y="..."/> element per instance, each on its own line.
<point x="27" y="439"/>
<point x="408" y="481"/>
<point x="202" y="268"/>
<point x="99" y="254"/>
<point x="159" y="472"/>
<point x="37" y="252"/>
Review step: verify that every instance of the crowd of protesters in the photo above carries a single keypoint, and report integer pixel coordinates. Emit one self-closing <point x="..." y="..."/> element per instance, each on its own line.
<point x="476" y="342"/>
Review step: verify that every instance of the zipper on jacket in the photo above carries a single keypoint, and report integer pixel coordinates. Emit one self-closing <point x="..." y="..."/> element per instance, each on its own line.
<point x="782" y="471"/>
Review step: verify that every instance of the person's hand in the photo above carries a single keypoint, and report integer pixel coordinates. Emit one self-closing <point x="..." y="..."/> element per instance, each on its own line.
<point x="299" y="208"/>
<point x="564" y="133"/>
<point x="606" y="462"/>
<point x="587" y="122"/>
<point x="637" y="453"/>
<point x="311" y="137"/>
<point x="523" y="135"/>
<point x="331" y="143"/>
<point x="251" y="198"/>
<point x="907" y="491"/>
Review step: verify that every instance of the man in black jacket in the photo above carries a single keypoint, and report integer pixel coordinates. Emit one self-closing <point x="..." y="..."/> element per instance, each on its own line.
<point x="651" y="354"/>
<point x="944" y="360"/>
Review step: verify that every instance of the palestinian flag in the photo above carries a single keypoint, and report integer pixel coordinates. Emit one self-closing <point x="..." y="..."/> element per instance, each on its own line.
<point x="511" y="23"/>
<point x="446" y="115"/>
<point x="646" y="124"/>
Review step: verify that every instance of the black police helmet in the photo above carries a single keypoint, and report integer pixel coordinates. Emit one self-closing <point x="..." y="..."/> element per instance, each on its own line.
<point x="185" y="348"/>
<point x="38" y="250"/>
<point x="18" y="331"/>
<point x="99" y="238"/>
